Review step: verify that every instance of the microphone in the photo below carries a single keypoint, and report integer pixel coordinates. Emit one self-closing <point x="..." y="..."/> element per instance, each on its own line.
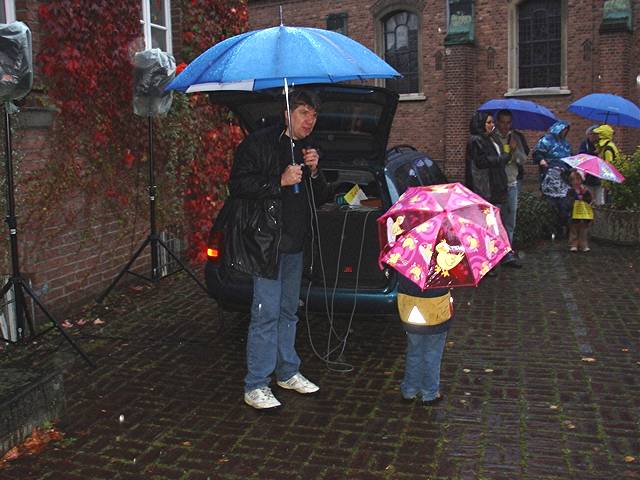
<point x="299" y="147"/>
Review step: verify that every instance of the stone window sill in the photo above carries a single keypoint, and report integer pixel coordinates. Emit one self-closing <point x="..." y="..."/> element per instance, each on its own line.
<point x="412" y="97"/>
<point x="544" y="91"/>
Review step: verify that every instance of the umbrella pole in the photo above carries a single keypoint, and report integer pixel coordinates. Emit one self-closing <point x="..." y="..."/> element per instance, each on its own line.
<point x="296" y="187"/>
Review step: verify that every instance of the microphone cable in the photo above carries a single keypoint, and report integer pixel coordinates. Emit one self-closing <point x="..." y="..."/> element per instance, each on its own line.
<point x="334" y="365"/>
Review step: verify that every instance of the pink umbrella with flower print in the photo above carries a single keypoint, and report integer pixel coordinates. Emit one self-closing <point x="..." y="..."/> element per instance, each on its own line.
<point x="596" y="166"/>
<point x="443" y="236"/>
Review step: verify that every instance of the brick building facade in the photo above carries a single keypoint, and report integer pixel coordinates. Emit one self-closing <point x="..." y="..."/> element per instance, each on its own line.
<point x="467" y="53"/>
<point x="458" y="65"/>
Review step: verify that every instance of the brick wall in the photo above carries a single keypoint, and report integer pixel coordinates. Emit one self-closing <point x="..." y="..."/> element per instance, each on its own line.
<point x="64" y="264"/>
<point x="439" y="123"/>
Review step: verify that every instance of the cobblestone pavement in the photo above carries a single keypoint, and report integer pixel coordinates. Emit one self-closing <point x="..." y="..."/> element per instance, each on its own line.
<point x="541" y="378"/>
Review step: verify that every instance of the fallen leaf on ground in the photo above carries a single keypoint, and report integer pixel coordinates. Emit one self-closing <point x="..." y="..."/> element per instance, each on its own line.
<point x="67" y="324"/>
<point x="222" y="460"/>
<point x="97" y="321"/>
<point x="11" y="455"/>
<point x="625" y="349"/>
<point x="187" y="443"/>
<point x="488" y="370"/>
<point x="553" y="407"/>
<point x="588" y="359"/>
<point x="34" y="443"/>
<point x="450" y="344"/>
<point x="466" y="370"/>
<point x="136" y="288"/>
<point x="81" y="322"/>
<point x="569" y="425"/>
<point x="629" y="459"/>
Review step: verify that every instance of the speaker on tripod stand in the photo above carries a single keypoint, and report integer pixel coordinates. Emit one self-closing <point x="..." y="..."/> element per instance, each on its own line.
<point x="16" y="79"/>
<point x="153" y="71"/>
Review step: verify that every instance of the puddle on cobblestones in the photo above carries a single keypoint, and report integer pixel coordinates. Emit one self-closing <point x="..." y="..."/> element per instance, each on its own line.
<point x="578" y="326"/>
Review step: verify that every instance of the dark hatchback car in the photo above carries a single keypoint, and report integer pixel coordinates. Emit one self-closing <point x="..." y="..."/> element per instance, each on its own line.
<point x="341" y="274"/>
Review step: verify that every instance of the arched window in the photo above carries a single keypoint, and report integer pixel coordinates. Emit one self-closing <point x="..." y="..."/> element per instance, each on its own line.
<point x="400" y="38"/>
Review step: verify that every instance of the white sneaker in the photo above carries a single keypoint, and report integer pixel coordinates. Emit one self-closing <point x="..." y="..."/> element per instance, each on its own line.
<point x="300" y="384"/>
<point x="261" y="398"/>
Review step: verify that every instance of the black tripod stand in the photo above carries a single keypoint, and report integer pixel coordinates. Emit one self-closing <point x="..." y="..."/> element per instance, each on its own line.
<point x="16" y="280"/>
<point x="153" y="239"/>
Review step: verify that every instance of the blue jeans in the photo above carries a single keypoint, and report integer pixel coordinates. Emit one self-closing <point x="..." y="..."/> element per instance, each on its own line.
<point x="422" y="365"/>
<point x="509" y="210"/>
<point x="272" y="330"/>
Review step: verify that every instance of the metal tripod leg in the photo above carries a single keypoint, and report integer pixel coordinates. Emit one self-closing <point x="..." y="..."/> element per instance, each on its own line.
<point x="19" y="287"/>
<point x="55" y="323"/>
<point x="124" y="270"/>
<point x="184" y="267"/>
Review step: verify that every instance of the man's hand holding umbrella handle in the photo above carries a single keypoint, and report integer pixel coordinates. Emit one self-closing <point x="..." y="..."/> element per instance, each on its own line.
<point x="291" y="176"/>
<point x="311" y="158"/>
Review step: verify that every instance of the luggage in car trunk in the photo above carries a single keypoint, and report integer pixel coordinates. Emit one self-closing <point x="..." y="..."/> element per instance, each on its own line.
<point x="348" y="248"/>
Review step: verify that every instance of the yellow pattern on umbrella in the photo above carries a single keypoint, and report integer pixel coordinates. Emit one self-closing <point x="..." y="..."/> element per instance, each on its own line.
<point x="445" y="260"/>
<point x="395" y="227"/>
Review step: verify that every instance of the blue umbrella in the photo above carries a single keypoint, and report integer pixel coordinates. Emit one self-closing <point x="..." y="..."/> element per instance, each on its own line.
<point x="265" y="58"/>
<point x="607" y="108"/>
<point x="280" y="56"/>
<point x="526" y="115"/>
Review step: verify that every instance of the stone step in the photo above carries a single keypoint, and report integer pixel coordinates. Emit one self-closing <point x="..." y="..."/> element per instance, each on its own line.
<point x="28" y="399"/>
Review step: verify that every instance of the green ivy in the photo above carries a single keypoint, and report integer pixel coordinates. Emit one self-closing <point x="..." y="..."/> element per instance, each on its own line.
<point x="534" y="221"/>
<point x="626" y="195"/>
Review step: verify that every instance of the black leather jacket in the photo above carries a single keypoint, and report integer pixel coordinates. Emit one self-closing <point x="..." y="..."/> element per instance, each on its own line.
<point x="251" y="217"/>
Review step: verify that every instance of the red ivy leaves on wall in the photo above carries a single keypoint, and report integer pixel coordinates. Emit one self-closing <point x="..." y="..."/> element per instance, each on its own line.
<point x="85" y="59"/>
<point x="207" y="22"/>
<point x="206" y="184"/>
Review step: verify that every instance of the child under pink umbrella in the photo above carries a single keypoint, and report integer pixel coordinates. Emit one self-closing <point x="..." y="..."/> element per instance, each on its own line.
<point x="579" y="199"/>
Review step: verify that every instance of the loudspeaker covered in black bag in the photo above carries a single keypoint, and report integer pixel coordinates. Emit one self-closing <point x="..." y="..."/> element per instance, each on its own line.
<point x="16" y="66"/>
<point x="153" y="70"/>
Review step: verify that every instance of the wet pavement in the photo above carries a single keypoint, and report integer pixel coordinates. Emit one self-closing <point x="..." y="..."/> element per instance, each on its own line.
<point x="541" y="377"/>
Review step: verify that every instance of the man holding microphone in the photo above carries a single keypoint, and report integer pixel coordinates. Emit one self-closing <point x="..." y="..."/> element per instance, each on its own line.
<point x="266" y="223"/>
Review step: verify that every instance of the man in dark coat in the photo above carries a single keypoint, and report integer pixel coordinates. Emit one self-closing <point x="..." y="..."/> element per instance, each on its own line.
<point x="512" y="143"/>
<point x="266" y="223"/>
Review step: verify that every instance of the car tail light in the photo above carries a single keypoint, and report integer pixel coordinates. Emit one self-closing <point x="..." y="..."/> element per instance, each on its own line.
<point x="214" y="247"/>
